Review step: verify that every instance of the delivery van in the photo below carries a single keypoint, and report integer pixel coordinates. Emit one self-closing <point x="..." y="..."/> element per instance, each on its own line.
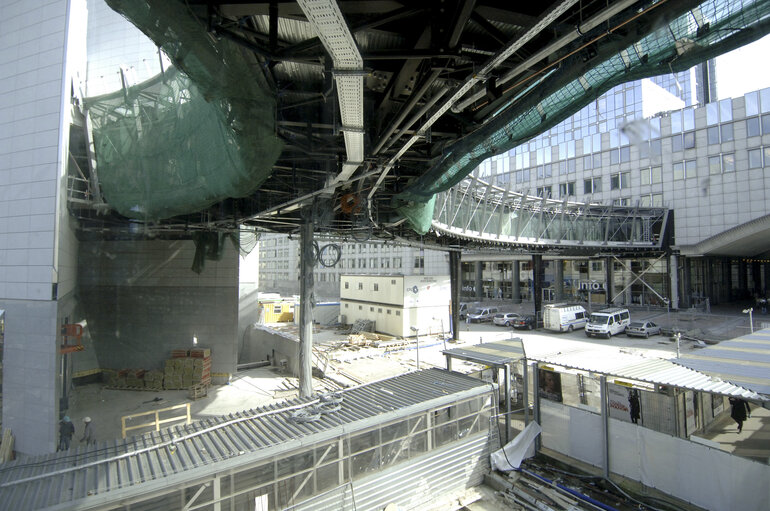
<point x="608" y="322"/>
<point x="562" y="317"/>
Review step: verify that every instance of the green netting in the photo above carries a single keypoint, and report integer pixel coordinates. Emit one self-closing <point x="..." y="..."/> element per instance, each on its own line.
<point x="191" y="137"/>
<point x="707" y="30"/>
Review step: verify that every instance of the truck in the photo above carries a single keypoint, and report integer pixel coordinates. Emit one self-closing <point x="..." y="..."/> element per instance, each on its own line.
<point x="563" y="317"/>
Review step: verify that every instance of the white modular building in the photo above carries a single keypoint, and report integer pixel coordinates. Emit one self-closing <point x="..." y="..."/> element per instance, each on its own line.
<point x="397" y="304"/>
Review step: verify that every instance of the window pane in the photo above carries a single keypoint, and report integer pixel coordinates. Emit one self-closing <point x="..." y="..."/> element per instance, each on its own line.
<point x="690" y="169"/>
<point x="755" y="158"/>
<point x="615" y="182"/>
<point x="727" y="132"/>
<point x="689" y="140"/>
<point x="645" y="174"/>
<point x="644" y="150"/>
<point x="728" y="162"/>
<point x="766" y="123"/>
<point x="752" y="103"/>
<point x="624" y="177"/>
<point x="655" y="147"/>
<point x="767" y="156"/>
<point x="712" y="114"/>
<point x="764" y="100"/>
<point x="715" y="165"/>
<point x="625" y="153"/>
<point x="676" y="122"/>
<point x="726" y="110"/>
<point x="752" y="127"/>
<point x="614" y="157"/>
<point x="689" y="119"/>
<point x="657" y="174"/>
<point x="676" y="143"/>
<point x="587" y="186"/>
<point x="713" y="135"/>
<point x="597" y="184"/>
<point x="587" y="161"/>
<point x="597" y="160"/>
<point x="678" y="170"/>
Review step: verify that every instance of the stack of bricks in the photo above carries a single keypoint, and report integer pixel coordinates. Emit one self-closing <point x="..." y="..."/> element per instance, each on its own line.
<point x="135" y="378"/>
<point x="185" y="369"/>
<point x="153" y="380"/>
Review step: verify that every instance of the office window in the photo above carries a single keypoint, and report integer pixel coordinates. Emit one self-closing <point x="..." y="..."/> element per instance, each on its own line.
<point x="645" y="200"/>
<point x="766" y="123"/>
<point x="688" y="116"/>
<point x="715" y="165"/>
<point x="676" y="122"/>
<point x="727" y="132"/>
<point x="620" y="202"/>
<point x="712" y="114"/>
<point x="398" y="313"/>
<point x="690" y="169"/>
<point x="614" y="156"/>
<point x="360" y="286"/>
<point x="728" y="162"/>
<point x="419" y="262"/>
<point x="755" y="158"/>
<point x="677" y="143"/>
<point x="371" y="309"/>
<point x="375" y="287"/>
<point x="353" y="264"/>
<point x="657" y="200"/>
<point x="346" y="305"/>
<point x="592" y="185"/>
<point x="644" y="149"/>
<point x="726" y="110"/>
<point x="360" y="307"/>
<point x="597" y="160"/>
<point x="656" y="174"/>
<point x="619" y="181"/>
<point x="396" y="262"/>
<point x="625" y="153"/>
<point x="767" y="156"/>
<point x="389" y="311"/>
<point x="752" y="127"/>
<point x="362" y="262"/>
<point x="689" y="140"/>
<point x="379" y="310"/>
<point x="347" y="285"/>
<point x="392" y="282"/>
<point x="588" y="162"/>
<point x="645" y="176"/>
<point x="567" y="189"/>
<point x="752" y="103"/>
<point x="713" y="135"/>
<point x="678" y="170"/>
<point x="544" y="191"/>
<point x="656" y="147"/>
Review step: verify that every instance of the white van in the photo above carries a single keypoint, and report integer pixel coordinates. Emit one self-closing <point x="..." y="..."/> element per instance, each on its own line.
<point x="562" y="317"/>
<point x="608" y="322"/>
<point x="482" y="314"/>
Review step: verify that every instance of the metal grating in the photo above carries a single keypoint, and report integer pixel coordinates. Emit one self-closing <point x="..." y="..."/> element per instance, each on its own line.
<point x="124" y="469"/>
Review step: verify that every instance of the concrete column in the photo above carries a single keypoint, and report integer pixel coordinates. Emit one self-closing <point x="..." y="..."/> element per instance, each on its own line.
<point x="559" y="279"/>
<point x="673" y="275"/>
<point x="525" y="390"/>
<point x="605" y="426"/>
<point x="536" y="401"/>
<point x="479" y="281"/>
<point x="455" y="283"/>
<point x="306" y="307"/>
<point x="743" y="277"/>
<point x="537" y="278"/>
<point x="609" y="280"/>
<point x="686" y="297"/>
<point x="515" y="281"/>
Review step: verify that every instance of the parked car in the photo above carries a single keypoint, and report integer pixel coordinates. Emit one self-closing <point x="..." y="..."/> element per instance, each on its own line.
<point x="505" y="319"/>
<point x="527" y="322"/>
<point x="642" y="329"/>
<point x="482" y="314"/>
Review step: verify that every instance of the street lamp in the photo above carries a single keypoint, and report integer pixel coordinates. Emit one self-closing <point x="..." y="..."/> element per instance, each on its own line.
<point x="749" y="311"/>
<point x="417" y="339"/>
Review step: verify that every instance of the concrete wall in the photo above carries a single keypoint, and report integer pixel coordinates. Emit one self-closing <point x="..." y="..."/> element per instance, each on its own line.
<point x="141" y="300"/>
<point x="261" y="343"/>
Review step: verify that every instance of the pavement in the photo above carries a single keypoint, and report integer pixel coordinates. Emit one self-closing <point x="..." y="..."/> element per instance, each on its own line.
<point x="350" y="364"/>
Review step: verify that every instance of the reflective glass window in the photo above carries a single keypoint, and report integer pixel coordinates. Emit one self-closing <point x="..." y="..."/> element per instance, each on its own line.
<point x="766" y="151"/>
<point x="690" y="169"/>
<point x="625" y="153"/>
<point x="644" y="149"/>
<point x="657" y="200"/>
<point x="678" y="170"/>
<point x="715" y="165"/>
<point x="726" y="110"/>
<point x="588" y="186"/>
<point x="689" y="119"/>
<point x="728" y="162"/>
<point x="727" y="132"/>
<point x="755" y="158"/>
<point x="764" y="100"/>
<point x="645" y="176"/>
<point x="713" y="135"/>
<point x="587" y="162"/>
<point x="655" y="127"/>
<point x="656" y="174"/>
<point x="766" y="123"/>
<point x="752" y="103"/>
<point x="752" y="127"/>
<point x="597" y="160"/>
<point x="689" y="139"/>
<point x="676" y="122"/>
<point x="712" y="114"/>
<point x="676" y="143"/>
<point x="655" y="147"/>
<point x="614" y="156"/>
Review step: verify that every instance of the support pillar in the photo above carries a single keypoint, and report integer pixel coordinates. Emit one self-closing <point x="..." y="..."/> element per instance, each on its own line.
<point x="537" y="283"/>
<point x="756" y="288"/>
<point x="686" y="289"/>
<point x="708" y="280"/>
<point x="559" y="279"/>
<point x="727" y="272"/>
<point x="479" y="281"/>
<point x="516" y="281"/>
<point x="306" y="306"/>
<point x="609" y="280"/>
<point x="605" y="426"/>
<point x="743" y="278"/>
<point x="536" y="402"/>
<point x="455" y="284"/>
<point x="525" y="389"/>
<point x="673" y="275"/>
<point x="507" y="375"/>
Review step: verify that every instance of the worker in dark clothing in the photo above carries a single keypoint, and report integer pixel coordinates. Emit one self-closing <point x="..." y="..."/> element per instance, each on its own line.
<point x="88" y="432"/>
<point x="633" y="405"/>
<point x="66" y="430"/>
<point x="740" y="411"/>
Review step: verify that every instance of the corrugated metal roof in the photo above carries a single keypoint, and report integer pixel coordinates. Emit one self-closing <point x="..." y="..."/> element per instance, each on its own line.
<point x="490" y="353"/>
<point x="744" y="361"/>
<point x="86" y="478"/>
<point x="611" y="362"/>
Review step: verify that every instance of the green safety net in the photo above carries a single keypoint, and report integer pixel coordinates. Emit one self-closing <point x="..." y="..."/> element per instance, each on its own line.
<point x="701" y="32"/>
<point x="190" y="137"/>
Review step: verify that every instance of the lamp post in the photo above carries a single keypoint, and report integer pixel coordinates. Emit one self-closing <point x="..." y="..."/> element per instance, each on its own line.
<point x="417" y="339"/>
<point x="750" y="311"/>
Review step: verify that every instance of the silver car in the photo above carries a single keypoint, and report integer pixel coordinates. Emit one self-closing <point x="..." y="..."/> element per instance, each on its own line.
<point x="642" y="329"/>
<point x="505" y="319"/>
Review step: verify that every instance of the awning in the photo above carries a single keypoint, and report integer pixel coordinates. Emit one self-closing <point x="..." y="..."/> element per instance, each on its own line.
<point x="744" y="361"/>
<point x="609" y="361"/>
<point x="491" y="353"/>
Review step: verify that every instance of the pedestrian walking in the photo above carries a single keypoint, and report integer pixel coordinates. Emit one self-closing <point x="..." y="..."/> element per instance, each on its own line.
<point x="66" y="430"/>
<point x="88" y="432"/>
<point x="740" y="411"/>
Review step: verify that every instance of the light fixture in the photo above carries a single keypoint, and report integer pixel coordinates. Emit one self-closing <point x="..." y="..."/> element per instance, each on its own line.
<point x="750" y="311"/>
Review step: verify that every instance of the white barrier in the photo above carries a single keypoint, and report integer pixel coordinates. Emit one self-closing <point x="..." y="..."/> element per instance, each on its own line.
<point x="696" y="473"/>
